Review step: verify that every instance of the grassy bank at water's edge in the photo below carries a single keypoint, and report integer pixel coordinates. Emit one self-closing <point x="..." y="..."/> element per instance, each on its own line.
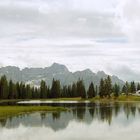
<point x="121" y="98"/>
<point x="97" y="98"/>
<point x="7" y="111"/>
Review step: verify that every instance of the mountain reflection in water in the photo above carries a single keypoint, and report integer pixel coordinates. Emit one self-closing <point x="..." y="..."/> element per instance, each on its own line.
<point x="86" y="121"/>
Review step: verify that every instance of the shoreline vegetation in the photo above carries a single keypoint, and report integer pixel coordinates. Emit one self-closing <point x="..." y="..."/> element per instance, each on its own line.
<point x="105" y="92"/>
<point x="19" y="90"/>
<point x="9" y="111"/>
<point x="79" y="99"/>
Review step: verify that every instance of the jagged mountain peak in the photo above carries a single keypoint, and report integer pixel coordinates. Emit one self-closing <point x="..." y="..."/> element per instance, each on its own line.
<point x="55" y="67"/>
<point x="10" y="68"/>
<point x="87" y="71"/>
<point x="57" y="71"/>
<point x="101" y="74"/>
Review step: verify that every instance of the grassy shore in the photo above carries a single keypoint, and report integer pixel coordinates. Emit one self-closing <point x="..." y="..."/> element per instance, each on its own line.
<point x="129" y="98"/>
<point x="97" y="98"/>
<point x="10" y="100"/>
<point x="121" y="98"/>
<point x="7" y="111"/>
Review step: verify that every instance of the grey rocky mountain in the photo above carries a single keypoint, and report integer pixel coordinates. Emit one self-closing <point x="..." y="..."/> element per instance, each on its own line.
<point x="60" y="72"/>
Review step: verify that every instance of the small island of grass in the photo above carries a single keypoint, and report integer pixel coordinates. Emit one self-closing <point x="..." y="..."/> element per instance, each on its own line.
<point x="8" y="111"/>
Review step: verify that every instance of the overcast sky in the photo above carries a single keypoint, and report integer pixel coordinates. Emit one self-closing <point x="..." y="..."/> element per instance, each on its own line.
<point x="95" y="34"/>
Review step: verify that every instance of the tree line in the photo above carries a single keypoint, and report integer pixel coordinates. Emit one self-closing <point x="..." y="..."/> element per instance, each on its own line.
<point x="20" y="90"/>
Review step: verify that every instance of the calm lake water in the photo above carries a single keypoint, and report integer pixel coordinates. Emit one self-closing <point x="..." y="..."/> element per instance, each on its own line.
<point x="82" y="122"/>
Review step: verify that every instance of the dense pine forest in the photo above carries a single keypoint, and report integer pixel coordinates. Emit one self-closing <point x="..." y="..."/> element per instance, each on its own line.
<point x="19" y="90"/>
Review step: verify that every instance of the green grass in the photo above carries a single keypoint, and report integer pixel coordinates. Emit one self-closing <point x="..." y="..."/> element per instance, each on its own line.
<point x="63" y="99"/>
<point x="128" y="98"/>
<point x="122" y="98"/>
<point x="10" y="100"/>
<point x="97" y="98"/>
<point x="55" y="99"/>
<point x="7" y="111"/>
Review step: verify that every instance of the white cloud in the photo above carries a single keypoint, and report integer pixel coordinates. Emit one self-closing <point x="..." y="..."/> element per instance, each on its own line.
<point x="128" y="12"/>
<point x="78" y="33"/>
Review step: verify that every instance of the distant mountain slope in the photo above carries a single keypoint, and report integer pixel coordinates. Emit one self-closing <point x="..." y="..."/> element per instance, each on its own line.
<point x="57" y="71"/>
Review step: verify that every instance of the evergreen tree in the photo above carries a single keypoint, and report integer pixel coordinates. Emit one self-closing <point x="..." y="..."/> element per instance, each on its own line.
<point x="127" y="88"/>
<point x="116" y="90"/>
<point x="138" y="86"/>
<point x="101" y="88"/>
<point x="74" y="90"/>
<point x="124" y="90"/>
<point x="15" y="92"/>
<point x="23" y="91"/>
<point x="96" y="91"/>
<point x="11" y="90"/>
<point x="133" y="87"/>
<point x="81" y="91"/>
<point x="17" y="86"/>
<point x="55" y="90"/>
<point x="64" y="92"/>
<point x="43" y="89"/>
<point x="28" y="92"/>
<point x="108" y="86"/>
<point x="36" y="93"/>
<point x="105" y="88"/>
<point x="91" y="91"/>
<point x="69" y="91"/>
<point x="3" y="88"/>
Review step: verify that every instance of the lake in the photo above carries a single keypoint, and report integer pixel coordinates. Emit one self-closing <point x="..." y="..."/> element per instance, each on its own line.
<point x="83" y="121"/>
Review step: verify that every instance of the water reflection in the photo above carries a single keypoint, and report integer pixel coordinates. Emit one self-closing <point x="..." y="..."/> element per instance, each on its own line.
<point x="84" y="121"/>
<point x="81" y="113"/>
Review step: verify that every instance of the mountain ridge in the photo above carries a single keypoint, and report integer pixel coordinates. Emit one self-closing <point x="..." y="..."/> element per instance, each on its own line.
<point x="57" y="71"/>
